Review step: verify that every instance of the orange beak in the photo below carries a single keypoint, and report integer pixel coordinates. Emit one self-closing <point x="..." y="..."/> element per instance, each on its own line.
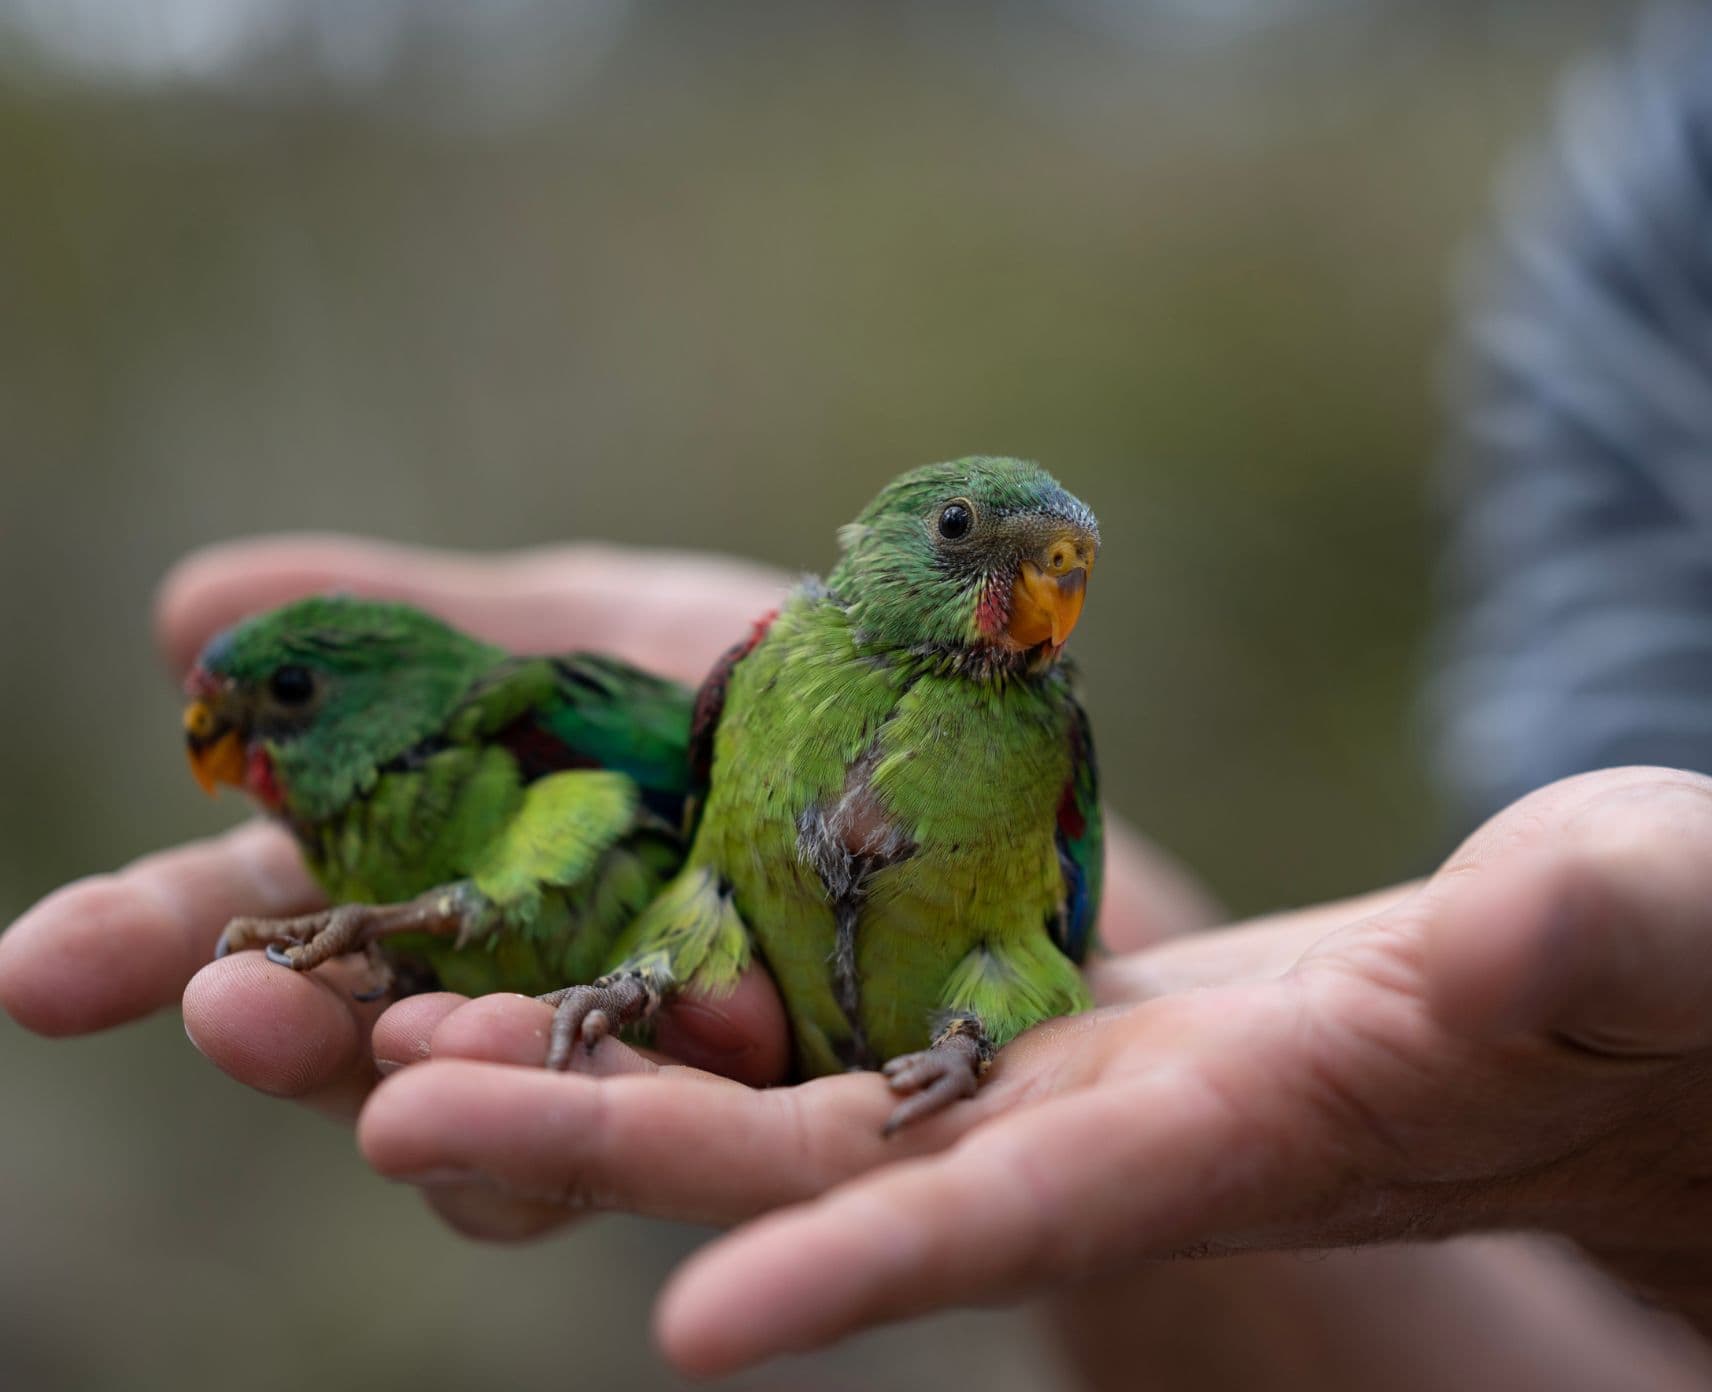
<point x="1046" y="599"/>
<point x="216" y="755"/>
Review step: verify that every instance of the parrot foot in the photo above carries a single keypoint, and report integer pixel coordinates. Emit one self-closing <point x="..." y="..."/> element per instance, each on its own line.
<point x="611" y="1003"/>
<point x="947" y="1070"/>
<point x="308" y="940"/>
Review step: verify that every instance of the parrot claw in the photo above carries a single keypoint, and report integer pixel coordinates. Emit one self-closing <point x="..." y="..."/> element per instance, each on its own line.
<point x="246" y="934"/>
<point x="593" y="1012"/>
<point x="298" y="943"/>
<point x="949" y="1069"/>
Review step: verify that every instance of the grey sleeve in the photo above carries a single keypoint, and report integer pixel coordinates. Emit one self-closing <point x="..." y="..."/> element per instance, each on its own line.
<point x="1577" y="628"/>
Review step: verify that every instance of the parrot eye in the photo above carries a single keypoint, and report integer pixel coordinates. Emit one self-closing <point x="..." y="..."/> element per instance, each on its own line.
<point x="291" y="685"/>
<point x="955" y="519"/>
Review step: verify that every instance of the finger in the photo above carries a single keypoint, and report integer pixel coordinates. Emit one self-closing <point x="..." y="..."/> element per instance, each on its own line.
<point x="1258" y="950"/>
<point x="673" y="1143"/>
<point x="1029" y="1199"/>
<point x="741" y="1034"/>
<point x="505" y="1028"/>
<point x="288" y="1034"/>
<point x="1594" y="922"/>
<point x="486" y="1215"/>
<point x="403" y="1033"/>
<point x="111" y="948"/>
<point x="1149" y="897"/>
<point x="502" y="1029"/>
<point x="671" y="612"/>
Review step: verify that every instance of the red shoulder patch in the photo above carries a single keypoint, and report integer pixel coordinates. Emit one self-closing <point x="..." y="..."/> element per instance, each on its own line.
<point x="1071" y="823"/>
<point x="757" y="631"/>
<point x="538" y="750"/>
<point x="710" y="699"/>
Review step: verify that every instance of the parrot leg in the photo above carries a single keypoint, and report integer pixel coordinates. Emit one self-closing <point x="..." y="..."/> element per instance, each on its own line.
<point x="312" y="939"/>
<point x="611" y="1003"/>
<point x="950" y="1068"/>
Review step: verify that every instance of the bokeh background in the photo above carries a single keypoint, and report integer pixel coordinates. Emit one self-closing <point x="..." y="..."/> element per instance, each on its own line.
<point x="697" y="275"/>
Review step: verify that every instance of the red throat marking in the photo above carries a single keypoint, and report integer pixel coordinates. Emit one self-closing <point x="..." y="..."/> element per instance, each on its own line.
<point x="259" y="780"/>
<point x="993" y="613"/>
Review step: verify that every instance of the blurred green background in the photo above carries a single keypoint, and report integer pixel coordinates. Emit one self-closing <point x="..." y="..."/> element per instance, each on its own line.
<point x="694" y="275"/>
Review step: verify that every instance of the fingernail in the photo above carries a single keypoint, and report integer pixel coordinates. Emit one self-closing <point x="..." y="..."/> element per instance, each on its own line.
<point x="387" y="1066"/>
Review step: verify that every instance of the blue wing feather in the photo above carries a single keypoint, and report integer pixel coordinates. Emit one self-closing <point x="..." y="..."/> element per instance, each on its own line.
<point x="1081" y="842"/>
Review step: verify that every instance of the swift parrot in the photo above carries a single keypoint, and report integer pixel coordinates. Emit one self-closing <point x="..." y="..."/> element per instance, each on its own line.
<point x="895" y="805"/>
<point x="495" y="820"/>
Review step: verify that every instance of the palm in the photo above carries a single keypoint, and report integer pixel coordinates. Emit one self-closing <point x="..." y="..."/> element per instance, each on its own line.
<point x="1438" y="1059"/>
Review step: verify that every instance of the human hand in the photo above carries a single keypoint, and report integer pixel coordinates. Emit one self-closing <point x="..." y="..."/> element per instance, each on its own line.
<point x="1521" y="1042"/>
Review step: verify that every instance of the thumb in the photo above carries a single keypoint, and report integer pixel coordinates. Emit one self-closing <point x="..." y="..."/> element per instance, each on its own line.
<point x="1588" y="918"/>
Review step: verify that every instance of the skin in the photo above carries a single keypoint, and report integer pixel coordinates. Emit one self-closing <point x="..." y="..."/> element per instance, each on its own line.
<point x="1449" y="1001"/>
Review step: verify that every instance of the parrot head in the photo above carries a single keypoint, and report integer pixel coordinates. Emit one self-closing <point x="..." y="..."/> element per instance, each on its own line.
<point x="300" y="706"/>
<point x="984" y="555"/>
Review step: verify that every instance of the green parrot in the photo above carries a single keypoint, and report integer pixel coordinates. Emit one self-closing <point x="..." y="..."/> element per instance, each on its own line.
<point x="897" y="807"/>
<point x="497" y="820"/>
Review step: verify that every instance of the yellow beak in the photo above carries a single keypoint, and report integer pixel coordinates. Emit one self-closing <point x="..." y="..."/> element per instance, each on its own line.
<point x="216" y="756"/>
<point x="1046" y="599"/>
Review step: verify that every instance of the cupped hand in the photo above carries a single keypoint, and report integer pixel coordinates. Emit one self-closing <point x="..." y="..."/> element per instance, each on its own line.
<point x="1520" y="1042"/>
<point x="305" y="1036"/>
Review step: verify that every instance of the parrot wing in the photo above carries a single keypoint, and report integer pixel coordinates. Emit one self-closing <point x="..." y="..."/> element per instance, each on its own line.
<point x="584" y="711"/>
<point x="601" y="749"/>
<point x="567" y="823"/>
<point x="1081" y="842"/>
